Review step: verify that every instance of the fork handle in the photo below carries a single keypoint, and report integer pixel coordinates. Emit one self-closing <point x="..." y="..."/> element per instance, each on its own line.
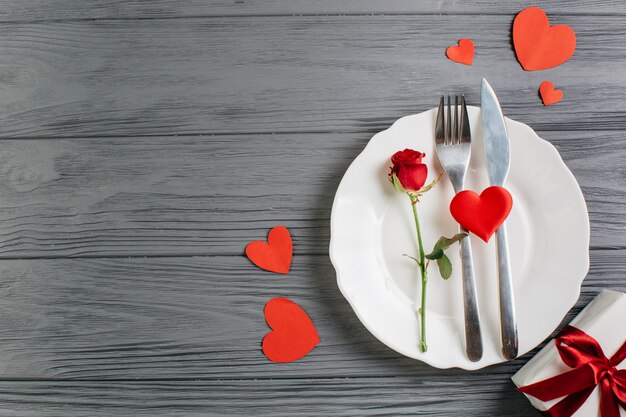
<point x="473" y="339"/>
<point x="508" y="325"/>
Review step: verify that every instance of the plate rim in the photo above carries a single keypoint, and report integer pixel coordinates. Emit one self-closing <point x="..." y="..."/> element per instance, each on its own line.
<point x="570" y="303"/>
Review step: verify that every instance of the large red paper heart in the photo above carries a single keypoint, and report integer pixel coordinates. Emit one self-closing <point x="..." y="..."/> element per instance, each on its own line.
<point x="538" y="45"/>
<point x="463" y="54"/>
<point x="275" y="255"/>
<point x="293" y="333"/>
<point x="482" y="214"/>
<point x="549" y="95"/>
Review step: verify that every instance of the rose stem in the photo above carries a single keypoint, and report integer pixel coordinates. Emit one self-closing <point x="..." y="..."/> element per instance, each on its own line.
<point x="422" y="265"/>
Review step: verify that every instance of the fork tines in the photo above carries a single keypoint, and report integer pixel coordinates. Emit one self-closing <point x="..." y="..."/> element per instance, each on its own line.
<point x="448" y="130"/>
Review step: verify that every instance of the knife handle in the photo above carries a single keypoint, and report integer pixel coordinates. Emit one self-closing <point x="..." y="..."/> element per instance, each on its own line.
<point x="473" y="338"/>
<point x="508" y="324"/>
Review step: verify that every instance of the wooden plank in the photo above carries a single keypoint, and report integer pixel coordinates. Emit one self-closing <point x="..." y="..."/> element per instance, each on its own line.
<point x="191" y="326"/>
<point x="283" y="74"/>
<point x="164" y="196"/>
<point x="198" y="318"/>
<point x="38" y="10"/>
<point x="476" y="395"/>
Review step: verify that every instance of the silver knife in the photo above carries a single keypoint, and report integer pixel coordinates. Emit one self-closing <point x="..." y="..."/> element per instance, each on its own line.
<point x="497" y="151"/>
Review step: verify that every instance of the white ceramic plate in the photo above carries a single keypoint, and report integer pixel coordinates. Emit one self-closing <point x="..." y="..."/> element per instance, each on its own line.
<point x="372" y="226"/>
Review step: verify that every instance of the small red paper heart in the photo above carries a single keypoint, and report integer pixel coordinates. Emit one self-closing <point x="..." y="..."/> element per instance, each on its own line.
<point x="482" y="214"/>
<point x="538" y="45"/>
<point x="463" y="54"/>
<point x="275" y="255"/>
<point x="293" y="333"/>
<point x="549" y="95"/>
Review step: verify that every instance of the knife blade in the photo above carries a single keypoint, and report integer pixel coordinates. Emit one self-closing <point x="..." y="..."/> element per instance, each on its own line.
<point x="495" y="136"/>
<point x="498" y="155"/>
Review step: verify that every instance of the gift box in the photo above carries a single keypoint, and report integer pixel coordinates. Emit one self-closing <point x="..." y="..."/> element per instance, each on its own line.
<point x="582" y="373"/>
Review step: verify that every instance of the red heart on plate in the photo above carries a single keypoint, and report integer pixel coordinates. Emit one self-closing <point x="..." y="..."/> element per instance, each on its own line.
<point x="275" y="255"/>
<point x="537" y="44"/>
<point x="463" y="54"/>
<point x="549" y="95"/>
<point x="482" y="214"/>
<point x="293" y="333"/>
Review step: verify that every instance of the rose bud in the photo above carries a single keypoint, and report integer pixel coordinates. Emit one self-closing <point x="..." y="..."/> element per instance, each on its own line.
<point x="409" y="169"/>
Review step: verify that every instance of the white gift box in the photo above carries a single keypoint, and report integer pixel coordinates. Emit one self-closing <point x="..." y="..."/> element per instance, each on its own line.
<point x="604" y="319"/>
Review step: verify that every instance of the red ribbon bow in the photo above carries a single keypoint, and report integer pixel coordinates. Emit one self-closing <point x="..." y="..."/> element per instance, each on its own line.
<point x="582" y="352"/>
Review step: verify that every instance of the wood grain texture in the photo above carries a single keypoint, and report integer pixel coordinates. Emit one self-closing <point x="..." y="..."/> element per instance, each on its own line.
<point x="143" y="143"/>
<point x="283" y="74"/>
<point x="298" y="397"/>
<point x="201" y="195"/>
<point x="46" y="10"/>
<point x="190" y="318"/>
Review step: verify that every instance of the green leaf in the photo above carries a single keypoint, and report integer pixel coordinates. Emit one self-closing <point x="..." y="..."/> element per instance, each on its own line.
<point x="445" y="242"/>
<point x="435" y="254"/>
<point x="396" y="183"/>
<point x="442" y="244"/>
<point x="445" y="267"/>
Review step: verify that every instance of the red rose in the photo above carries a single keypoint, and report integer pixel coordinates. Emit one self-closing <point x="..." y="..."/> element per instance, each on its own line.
<point x="409" y="169"/>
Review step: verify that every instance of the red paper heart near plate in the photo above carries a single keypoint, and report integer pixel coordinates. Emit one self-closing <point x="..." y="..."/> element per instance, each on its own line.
<point x="293" y="333"/>
<point x="538" y="45"/>
<point x="549" y="95"/>
<point x="463" y="54"/>
<point x="275" y="255"/>
<point x="482" y="214"/>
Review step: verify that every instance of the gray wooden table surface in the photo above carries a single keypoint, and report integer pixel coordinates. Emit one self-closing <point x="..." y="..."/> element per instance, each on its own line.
<point x="146" y="142"/>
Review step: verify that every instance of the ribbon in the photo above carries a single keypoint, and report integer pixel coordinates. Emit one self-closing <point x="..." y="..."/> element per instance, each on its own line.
<point x="582" y="352"/>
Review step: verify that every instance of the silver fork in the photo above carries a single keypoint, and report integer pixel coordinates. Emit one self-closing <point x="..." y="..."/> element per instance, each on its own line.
<point x="453" y="141"/>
